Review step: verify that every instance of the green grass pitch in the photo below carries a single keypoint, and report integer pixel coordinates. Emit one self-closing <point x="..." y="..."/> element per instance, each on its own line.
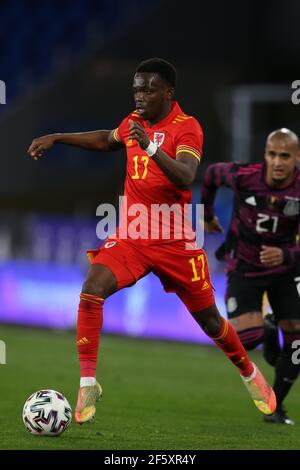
<point x="156" y="395"/>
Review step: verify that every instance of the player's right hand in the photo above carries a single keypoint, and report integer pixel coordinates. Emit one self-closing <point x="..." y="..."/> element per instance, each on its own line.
<point x="39" y="145"/>
<point x="213" y="226"/>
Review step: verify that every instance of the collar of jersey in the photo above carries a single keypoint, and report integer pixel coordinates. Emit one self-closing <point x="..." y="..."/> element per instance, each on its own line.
<point x="175" y="110"/>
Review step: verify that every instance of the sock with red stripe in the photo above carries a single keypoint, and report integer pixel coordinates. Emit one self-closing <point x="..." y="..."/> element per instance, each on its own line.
<point x="89" y="324"/>
<point x="228" y="340"/>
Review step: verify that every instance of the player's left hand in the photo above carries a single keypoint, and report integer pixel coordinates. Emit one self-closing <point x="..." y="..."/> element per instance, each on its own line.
<point x="271" y="256"/>
<point x="137" y="132"/>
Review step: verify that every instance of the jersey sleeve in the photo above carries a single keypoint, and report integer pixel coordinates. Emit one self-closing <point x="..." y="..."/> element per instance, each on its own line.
<point x="216" y="175"/>
<point x="118" y="133"/>
<point x="189" y="138"/>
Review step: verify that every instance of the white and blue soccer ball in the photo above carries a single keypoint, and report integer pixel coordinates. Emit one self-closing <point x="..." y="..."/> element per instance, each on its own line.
<point x="47" y="413"/>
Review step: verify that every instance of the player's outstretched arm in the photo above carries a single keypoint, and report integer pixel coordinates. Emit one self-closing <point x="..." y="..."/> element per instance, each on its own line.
<point x="102" y="140"/>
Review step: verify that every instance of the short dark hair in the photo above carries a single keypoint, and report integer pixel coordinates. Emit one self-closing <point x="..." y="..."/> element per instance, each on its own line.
<point x="165" y="69"/>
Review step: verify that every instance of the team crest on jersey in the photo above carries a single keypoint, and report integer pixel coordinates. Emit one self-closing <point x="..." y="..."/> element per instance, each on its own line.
<point x="292" y="207"/>
<point x="109" y="244"/>
<point x="159" y="137"/>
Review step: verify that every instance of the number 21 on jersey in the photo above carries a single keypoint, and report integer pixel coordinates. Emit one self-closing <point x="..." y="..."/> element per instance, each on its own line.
<point x="270" y="219"/>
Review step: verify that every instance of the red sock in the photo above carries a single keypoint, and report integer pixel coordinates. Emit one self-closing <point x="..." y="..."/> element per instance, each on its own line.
<point x="89" y="324"/>
<point x="229" y="341"/>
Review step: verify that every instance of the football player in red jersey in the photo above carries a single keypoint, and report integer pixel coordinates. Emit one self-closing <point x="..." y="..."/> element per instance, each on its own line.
<point x="262" y="253"/>
<point x="164" y="147"/>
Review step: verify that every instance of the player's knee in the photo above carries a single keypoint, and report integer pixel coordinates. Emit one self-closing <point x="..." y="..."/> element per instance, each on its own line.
<point x="209" y="320"/>
<point x="93" y="287"/>
<point x="100" y="282"/>
<point x="251" y="337"/>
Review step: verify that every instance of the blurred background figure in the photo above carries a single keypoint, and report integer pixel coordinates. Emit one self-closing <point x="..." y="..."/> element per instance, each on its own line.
<point x="262" y="253"/>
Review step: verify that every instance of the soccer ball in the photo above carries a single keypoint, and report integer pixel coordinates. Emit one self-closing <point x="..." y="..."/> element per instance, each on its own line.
<point x="47" y="413"/>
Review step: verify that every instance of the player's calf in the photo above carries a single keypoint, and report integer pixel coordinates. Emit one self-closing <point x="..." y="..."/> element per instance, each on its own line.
<point x="210" y="320"/>
<point x="225" y="337"/>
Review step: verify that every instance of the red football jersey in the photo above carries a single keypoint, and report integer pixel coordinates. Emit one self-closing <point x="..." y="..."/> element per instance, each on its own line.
<point x="147" y="187"/>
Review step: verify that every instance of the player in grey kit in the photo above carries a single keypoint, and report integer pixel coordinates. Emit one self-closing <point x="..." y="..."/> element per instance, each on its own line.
<point x="262" y="250"/>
